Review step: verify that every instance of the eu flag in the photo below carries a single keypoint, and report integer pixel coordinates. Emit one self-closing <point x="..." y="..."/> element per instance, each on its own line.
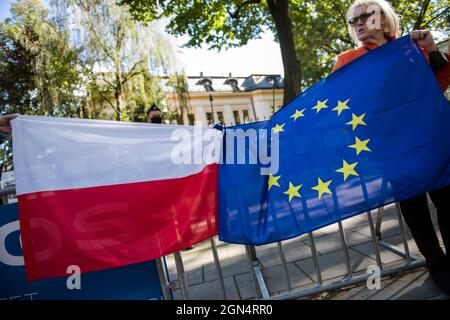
<point x="374" y="132"/>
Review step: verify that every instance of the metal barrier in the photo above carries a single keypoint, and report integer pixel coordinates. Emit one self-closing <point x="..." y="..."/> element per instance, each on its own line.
<point x="255" y="267"/>
<point x="259" y="284"/>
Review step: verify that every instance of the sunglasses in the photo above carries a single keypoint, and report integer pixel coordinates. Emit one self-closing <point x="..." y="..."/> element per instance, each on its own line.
<point x="363" y="17"/>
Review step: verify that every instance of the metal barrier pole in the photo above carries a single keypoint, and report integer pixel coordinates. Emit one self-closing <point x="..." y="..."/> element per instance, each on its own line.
<point x="345" y="248"/>
<point x="380" y="213"/>
<point x="218" y="267"/>
<point x="163" y="278"/>
<point x="406" y="253"/>
<point x="314" y="256"/>
<point x="398" y="251"/>
<point x="181" y="275"/>
<point x="403" y="231"/>
<point x="394" y="249"/>
<point x="375" y="241"/>
<point x="4" y="193"/>
<point x="284" y="263"/>
<point x="252" y="271"/>
<point x="252" y="252"/>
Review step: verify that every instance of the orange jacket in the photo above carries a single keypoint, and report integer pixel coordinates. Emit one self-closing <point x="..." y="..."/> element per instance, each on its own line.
<point x="442" y="75"/>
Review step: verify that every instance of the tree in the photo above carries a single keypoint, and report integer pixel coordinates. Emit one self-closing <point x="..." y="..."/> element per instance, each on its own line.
<point x="120" y="54"/>
<point x="320" y="33"/>
<point x="223" y="24"/>
<point x="38" y="67"/>
<point x="179" y="86"/>
<point x="16" y="73"/>
<point x="320" y="29"/>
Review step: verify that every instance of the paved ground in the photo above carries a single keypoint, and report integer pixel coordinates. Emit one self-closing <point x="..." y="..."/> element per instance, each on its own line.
<point x="202" y="276"/>
<point x="413" y="285"/>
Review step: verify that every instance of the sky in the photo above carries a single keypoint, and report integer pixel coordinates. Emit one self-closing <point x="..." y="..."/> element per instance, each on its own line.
<point x="258" y="56"/>
<point x="4" y="8"/>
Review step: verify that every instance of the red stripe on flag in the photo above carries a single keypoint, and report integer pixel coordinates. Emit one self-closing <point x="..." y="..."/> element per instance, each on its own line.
<point x="110" y="226"/>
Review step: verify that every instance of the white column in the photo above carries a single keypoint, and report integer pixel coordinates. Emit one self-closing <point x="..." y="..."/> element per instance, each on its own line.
<point x="228" y="115"/>
<point x="262" y="108"/>
<point x="200" y="116"/>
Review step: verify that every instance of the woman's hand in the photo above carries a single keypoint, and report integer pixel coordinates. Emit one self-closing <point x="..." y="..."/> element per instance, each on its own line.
<point x="5" y="122"/>
<point x="424" y="39"/>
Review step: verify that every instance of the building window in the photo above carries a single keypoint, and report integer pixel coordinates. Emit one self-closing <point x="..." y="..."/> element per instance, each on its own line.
<point x="237" y="119"/>
<point x="220" y="117"/>
<point x="246" y="116"/>
<point x="209" y="118"/>
<point x="208" y="85"/>
<point x="191" y="118"/>
<point x="233" y="83"/>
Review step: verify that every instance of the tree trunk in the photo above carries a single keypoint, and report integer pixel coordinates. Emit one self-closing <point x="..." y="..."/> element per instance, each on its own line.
<point x="118" y="98"/>
<point x="421" y="15"/>
<point x="120" y="36"/>
<point x="279" y="9"/>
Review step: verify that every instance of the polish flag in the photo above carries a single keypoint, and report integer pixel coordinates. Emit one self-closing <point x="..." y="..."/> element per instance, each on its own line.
<point x="102" y="194"/>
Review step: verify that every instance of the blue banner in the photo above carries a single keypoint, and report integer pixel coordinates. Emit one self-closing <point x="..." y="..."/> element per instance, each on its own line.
<point x="373" y="132"/>
<point x="138" y="281"/>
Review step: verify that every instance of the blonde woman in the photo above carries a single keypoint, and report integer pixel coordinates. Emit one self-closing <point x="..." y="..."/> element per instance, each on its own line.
<point x="372" y="23"/>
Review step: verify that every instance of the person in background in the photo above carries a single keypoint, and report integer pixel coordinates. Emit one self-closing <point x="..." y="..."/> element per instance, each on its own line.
<point x="414" y="210"/>
<point x="154" y="114"/>
<point x="5" y="126"/>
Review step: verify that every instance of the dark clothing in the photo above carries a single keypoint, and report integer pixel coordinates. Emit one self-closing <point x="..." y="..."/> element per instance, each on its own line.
<point x="418" y="218"/>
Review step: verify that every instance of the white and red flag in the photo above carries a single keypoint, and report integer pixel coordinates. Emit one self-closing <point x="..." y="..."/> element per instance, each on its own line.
<point x="102" y="194"/>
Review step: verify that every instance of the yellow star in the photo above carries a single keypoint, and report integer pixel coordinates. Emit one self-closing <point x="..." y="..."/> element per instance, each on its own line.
<point x="320" y="105"/>
<point x="298" y="113"/>
<point x="293" y="191"/>
<point x="273" y="181"/>
<point x="348" y="169"/>
<point x="360" y="145"/>
<point x="357" y="120"/>
<point x="278" y="128"/>
<point x="322" y="187"/>
<point x="341" y="106"/>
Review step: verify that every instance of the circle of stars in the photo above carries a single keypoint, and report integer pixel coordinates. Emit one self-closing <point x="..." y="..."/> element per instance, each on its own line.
<point x="347" y="169"/>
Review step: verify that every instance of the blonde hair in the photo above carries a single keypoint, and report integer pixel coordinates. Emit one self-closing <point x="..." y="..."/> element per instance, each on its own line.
<point x="391" y="17"/>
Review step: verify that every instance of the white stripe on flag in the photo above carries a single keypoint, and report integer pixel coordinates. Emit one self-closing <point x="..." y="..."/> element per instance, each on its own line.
<point x="61" y="153"/>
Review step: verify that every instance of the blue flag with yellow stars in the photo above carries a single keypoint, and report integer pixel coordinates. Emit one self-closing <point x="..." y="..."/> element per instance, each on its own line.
<point x="374" y="132"/>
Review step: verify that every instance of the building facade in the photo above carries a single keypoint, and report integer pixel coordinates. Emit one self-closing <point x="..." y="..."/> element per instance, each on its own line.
<point x="227" y="100"/>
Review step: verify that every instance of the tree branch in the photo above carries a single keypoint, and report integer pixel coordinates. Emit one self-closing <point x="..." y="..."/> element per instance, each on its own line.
<point x="330" y="49"/>
<point x="108" y="82"/>
<point x="436" y="17"/>
<point x="341" y="14"/>
<point x="107" y="100"/>
<point x="235" y="14"/>
<point x="423" y="11"/>
<point x="131" y="73"/>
